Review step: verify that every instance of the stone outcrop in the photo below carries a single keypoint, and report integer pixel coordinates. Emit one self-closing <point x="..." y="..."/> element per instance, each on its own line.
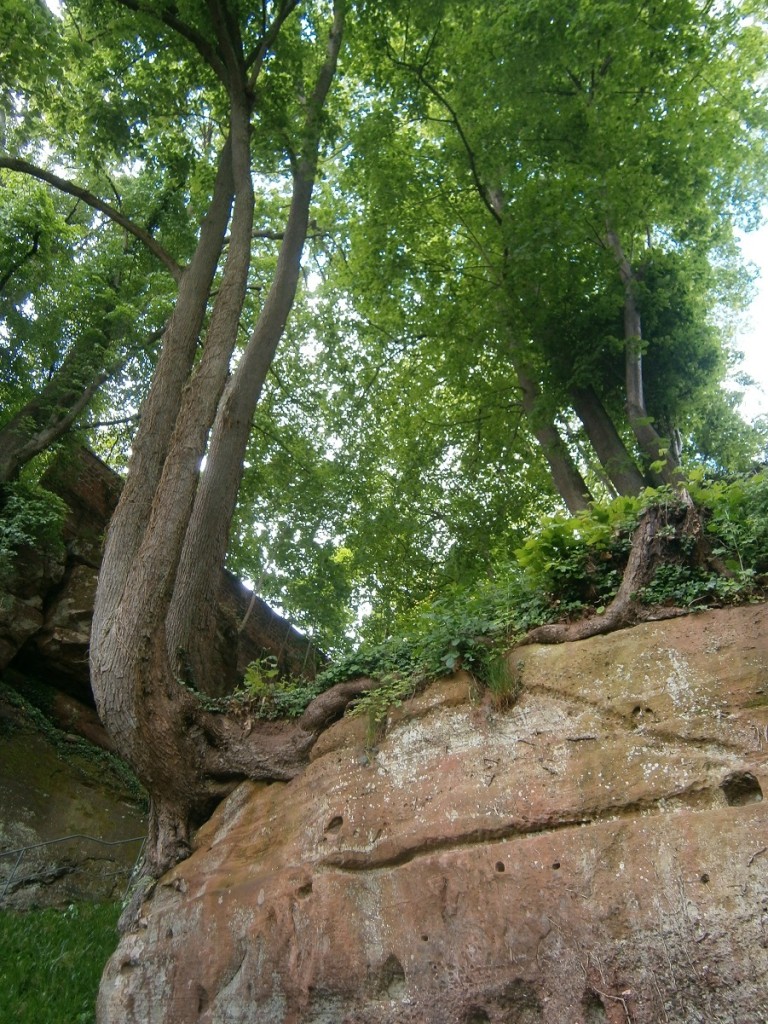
<point x="597" y="852"/>
<point x="46" y="605"/>
<point x="22" y="594"/>
<point x="71" y="822"/>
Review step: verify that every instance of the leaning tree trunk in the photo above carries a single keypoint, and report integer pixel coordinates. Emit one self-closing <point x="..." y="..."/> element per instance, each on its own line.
<point x="616" y="461"/>
<point x="169" y="533"/>
<point x="568" y="480"/>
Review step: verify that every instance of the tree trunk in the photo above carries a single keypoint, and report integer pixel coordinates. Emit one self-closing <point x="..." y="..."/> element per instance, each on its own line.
<point x="604" y="438"/>
<point x="662" y="463"/>
<point x="169" y="533"/>
<point x="568" y="480"/>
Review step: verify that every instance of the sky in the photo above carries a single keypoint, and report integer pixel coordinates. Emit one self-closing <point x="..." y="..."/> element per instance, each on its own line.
<point x="753" y="341"/>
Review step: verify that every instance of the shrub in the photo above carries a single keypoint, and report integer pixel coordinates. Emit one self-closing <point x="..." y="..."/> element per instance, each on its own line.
<point x="29" y="516"/>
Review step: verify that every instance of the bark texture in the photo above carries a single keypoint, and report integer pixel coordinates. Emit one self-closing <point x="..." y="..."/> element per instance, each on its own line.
<point x="663" y="462"/>
<point x="569" y="482"/>
<point x="616" y="461"/>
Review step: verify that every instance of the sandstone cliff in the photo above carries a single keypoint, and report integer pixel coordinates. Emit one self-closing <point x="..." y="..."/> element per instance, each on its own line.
<point x="596" y="853"/>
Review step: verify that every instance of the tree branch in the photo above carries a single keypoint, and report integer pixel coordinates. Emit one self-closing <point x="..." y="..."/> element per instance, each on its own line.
<point x="200" y="43"/>
<point x="255" y="60"/>
<point x="24" y="259"/>
<point x="491" y="197"/>
<point x="230" y="44"/>
<point x="24" y="167"/>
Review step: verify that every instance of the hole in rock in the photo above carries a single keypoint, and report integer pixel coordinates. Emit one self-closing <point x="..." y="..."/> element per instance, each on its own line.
<point x="640" y="712"/>
<point x="500" y="865"/>
<point x="704" y="879"/>
<point x="202" y="999"/>
<point x="390" y="981"/>
<point x="556" y="866"/>
<point x="594" y="1008"/>
<point x="305" y="890"/>
<point x="425" y="938"/>
<point x="741" y="788"/>
<point x="334" y="824"/>
<point x="476" y="1015"/>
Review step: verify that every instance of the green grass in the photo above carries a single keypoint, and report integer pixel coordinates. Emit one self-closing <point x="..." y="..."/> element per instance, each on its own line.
<point x="51" y="962"/>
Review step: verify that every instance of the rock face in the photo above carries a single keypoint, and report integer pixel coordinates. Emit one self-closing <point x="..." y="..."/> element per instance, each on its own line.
<point x="47" y="604"/>
<point x="71" y="826"/>
<point x="596" y="853"/>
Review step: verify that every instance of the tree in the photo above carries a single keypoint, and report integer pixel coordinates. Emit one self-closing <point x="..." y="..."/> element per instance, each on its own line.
<point x="252" y="89"/>
<point x="84" y="289"/>
<point x="482" y="305"/>
<point x="471" y="284"/>
<point x="597" y="139"/>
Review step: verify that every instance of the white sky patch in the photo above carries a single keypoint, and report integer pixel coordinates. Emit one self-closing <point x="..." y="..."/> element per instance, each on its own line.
<point x="753" y="339"/>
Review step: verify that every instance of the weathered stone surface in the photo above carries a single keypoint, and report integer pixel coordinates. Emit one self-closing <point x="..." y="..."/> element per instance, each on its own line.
<point x="596" y="853"/>
<point x="49" y="793"/>
<point x="22" y="592"/>
<point x="61" y="644"/>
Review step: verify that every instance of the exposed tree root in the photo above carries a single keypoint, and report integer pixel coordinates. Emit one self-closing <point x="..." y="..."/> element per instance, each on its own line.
<point x="216" y="753"/>
<point x="657" y="526"/>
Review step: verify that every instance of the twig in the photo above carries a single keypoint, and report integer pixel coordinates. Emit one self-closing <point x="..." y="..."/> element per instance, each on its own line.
<point x="617" y="999"/>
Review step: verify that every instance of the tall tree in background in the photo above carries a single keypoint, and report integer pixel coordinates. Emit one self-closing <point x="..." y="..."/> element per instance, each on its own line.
<point x="475" y="244"/>
<point x="599" y="140"/>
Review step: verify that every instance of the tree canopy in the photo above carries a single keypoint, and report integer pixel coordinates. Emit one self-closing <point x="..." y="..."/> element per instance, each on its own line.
<point x="516" y="183"/>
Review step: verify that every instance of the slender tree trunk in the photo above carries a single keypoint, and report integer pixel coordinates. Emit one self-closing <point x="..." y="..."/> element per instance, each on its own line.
<point x="651" y="444"/>
<point x="568" y="480"/>
<point x="161" y="407"/>
<point x="189" y="618"/>
<point x="604" y="438"/>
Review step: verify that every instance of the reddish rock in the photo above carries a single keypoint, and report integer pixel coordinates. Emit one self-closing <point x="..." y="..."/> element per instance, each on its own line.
<point x="596" y="853"/>
<point x="23" y="587"/>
